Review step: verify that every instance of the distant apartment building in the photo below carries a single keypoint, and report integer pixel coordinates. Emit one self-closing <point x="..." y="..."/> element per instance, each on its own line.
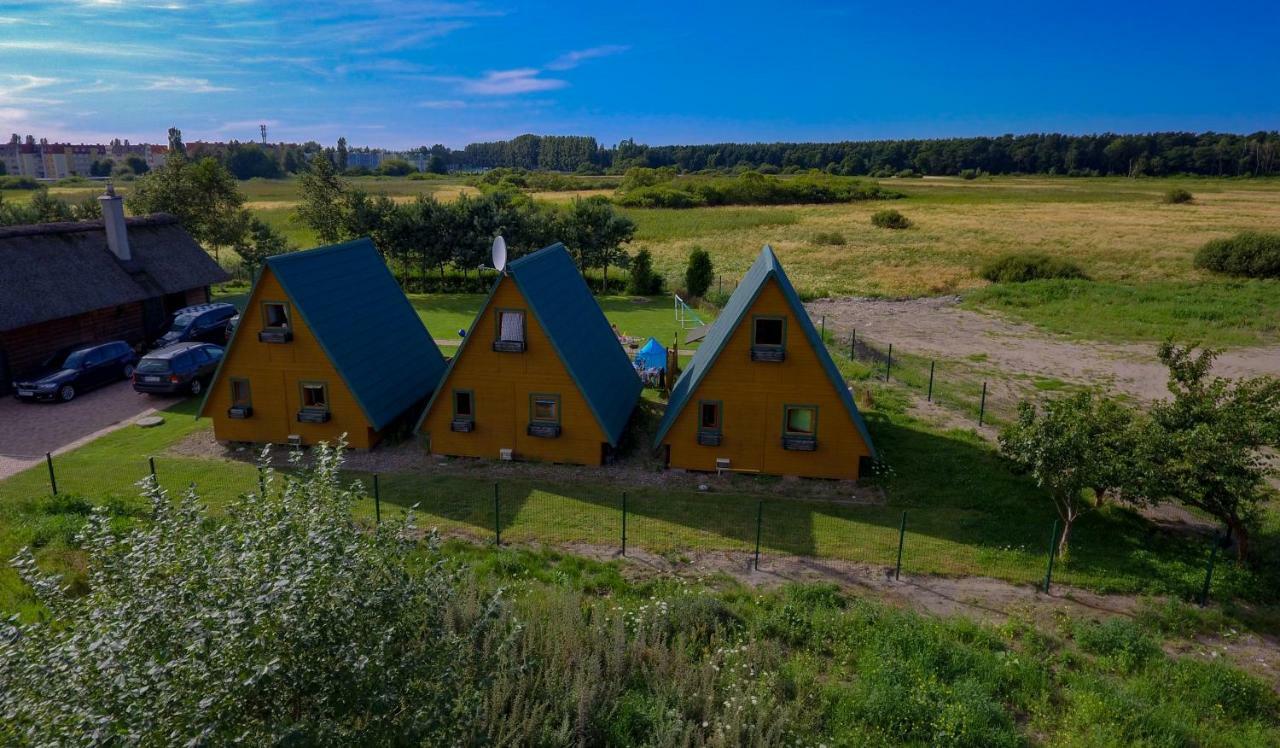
<point x="45" y="160"/>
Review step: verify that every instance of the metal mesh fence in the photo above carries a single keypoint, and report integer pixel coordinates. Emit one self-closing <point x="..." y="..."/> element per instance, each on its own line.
<point x="702" y="531"/>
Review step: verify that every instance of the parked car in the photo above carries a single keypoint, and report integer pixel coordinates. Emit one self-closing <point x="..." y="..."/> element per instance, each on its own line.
<point x="181" y="368"/>
<point x="231" y="326"/>
<point x="76" y="369"/>
<point x="205" y="323"/>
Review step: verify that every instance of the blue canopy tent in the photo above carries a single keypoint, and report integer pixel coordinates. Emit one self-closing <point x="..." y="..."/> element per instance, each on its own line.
<point x="652" y="355"/>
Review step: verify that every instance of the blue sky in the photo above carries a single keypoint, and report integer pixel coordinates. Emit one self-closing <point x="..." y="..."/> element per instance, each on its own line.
<point x="400" y="74"/>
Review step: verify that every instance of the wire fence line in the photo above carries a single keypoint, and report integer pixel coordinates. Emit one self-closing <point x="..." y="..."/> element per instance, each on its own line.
<point x="702" y="531"/>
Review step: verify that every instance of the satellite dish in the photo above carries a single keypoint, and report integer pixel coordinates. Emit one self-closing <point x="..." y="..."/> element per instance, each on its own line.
<point x="499" y="253"/>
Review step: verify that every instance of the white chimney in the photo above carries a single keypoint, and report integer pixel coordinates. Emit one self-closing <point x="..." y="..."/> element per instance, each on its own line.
<point x="113" y="222"/>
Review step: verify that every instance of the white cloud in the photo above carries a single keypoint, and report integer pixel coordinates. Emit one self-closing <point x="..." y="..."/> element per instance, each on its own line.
<point x="15" y="91"/>
<point x="442" y="104"/>
<point x="508" y="82"/>
<point x="571" y="60"/>
<point x="185" y="85"/>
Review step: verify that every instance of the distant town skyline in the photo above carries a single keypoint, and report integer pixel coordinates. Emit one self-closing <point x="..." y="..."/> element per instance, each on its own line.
<point x="395" y="74"/>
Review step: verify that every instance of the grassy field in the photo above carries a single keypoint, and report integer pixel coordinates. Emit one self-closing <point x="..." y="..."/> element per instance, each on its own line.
<point x="1136" y="250"/>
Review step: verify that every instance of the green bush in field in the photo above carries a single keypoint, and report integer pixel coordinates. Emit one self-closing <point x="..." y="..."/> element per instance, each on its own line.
<point x="699" y="274"/>
<point x="1251" y="254"/>
<point x="662" y="188"/>
<point x="1020" y="267"/>
<point x="890" y="219"/>
<point x="642" y="281"/>
<point x="829" y="238"/>
<point x="1176" y="196"/>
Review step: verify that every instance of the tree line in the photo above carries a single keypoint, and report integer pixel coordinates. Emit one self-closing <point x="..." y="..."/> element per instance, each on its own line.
<point x="1152" y="154"/>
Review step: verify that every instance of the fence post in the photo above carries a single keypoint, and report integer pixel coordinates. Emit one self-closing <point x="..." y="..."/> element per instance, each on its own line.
<point x="823" y="334"/>
<point x="1053" y="553"/>
<point x="888" y="364"/>
<point x="930" y="397"/>
<point x="982" y="407"/>
<point x="1208" y="573"/>
<point x="759" y="523"/>
<point x="853" y="344"/>
<point x="53" y="481"/>
<point x="377" y="501"/>
<point x="624" y="523"/>
<point x="152" y="462"/>
<point x="902" y="535"/>
<point x="497" y="516"/>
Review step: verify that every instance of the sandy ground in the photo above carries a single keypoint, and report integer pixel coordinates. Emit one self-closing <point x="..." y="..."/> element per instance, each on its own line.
<point x="937" y="326"/>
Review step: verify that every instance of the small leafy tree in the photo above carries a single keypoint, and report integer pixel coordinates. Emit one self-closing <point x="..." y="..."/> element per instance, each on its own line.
<point x="285" y="623"/>
<point x="1205" y="446"/>
<point x="643" y="281"/>
<point x="323" y="196"/>
<point x="699" y="274"/>
<point x="260" y="242"/>
<point x="594" y="231"/>
<point x="1074" y="445"/>
<point x="202" y="194"/>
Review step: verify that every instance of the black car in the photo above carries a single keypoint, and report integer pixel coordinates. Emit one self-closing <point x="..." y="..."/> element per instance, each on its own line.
<point x="181" y="368"/>
<point x="203" y="323"/>
<point x="77" y="369"/>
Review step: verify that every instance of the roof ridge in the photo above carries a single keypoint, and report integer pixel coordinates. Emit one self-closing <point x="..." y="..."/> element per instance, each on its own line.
<point x="71" y="227"/>
<point x="536" y="254"/>
<point x="303" y="254"/>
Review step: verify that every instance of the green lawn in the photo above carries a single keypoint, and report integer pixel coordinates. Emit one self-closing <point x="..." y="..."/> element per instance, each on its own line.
<point x="966" y="514"/>
<point x="1217" y="312"/>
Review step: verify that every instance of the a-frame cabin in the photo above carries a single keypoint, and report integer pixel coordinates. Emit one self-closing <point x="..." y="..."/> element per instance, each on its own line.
<point x="762" y="394"/>
<point x="539" y="376"/>
<point x="327" y="345"/>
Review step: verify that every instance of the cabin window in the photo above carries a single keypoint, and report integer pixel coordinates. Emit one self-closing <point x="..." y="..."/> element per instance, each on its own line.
<point x="709" y="415"/>
<point x="709" y="423"/>
<point x="275" y="315"/>
<point x="544" y="409"/>
<point x="511" y="331"/>
<point x="315" y="396"/>
<point x="241" y="397"/>
<point x="801" y="420"/>
<point x="464" y="405"/>
<point x="768" y="338"/>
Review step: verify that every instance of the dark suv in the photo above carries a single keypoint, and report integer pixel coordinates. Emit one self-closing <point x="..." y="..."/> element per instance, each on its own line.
<point x="204" y="323"/>
<point x="77" y="369"/>
<point x="181" y="368"/>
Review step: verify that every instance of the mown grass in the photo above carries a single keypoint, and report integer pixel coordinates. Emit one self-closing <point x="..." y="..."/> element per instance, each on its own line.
<point x="1214" y="312"/>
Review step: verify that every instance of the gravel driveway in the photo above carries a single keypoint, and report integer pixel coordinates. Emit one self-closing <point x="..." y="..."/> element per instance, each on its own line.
<point x="28" y="430"/>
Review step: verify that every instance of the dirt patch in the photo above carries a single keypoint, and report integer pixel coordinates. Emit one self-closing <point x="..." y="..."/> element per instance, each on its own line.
<point x="936" y="326"/>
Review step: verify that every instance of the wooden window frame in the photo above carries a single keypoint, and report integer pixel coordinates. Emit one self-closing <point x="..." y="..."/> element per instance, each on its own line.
<point x="772" y="352"/>
<point x="302" y="394"/>
<point x="462" y="423"/>
<point x="799" y="441"/>
<point x="276" y="333"/>
<point x="545" y="396"/>
<point x="240" y="410"/>
<point x="719" y="427"/>
<point x="510" y="346"/>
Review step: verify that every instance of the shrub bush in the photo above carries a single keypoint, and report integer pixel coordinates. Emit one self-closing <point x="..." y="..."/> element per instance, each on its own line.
<point x="698" y="276"/>
<point x="890" y="219"/>
<point x="1028" y="266"/>
<point x="1177" y="195"/>
<point x="18" y="183"/>
<point x="1252" y="254"/>
<point x="643" y="281"/>
<point x="829" y="238"/>
<point x="661" y="188"/>
<point x="970" y="173"/>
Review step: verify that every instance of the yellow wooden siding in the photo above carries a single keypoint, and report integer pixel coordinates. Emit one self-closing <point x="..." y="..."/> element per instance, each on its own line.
<point x="502" y="384"/>
<point x="754" y="394"/>
<point x="275" y="372"/>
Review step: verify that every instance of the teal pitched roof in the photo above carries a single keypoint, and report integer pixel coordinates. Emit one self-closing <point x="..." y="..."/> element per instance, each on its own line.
<point x="562" y="304"/>
<point x="765" y="267"/>
<point x="364" y="323"/>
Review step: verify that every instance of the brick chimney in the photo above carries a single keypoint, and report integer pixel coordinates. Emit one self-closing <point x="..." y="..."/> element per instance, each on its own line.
<point x="113" y="222"/>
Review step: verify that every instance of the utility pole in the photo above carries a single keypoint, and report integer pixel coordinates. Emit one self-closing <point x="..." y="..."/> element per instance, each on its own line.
<point x="263" y="129"/>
